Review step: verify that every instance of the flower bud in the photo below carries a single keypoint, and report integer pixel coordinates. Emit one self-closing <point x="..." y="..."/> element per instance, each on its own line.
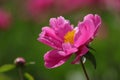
<point x="20" y="62"/>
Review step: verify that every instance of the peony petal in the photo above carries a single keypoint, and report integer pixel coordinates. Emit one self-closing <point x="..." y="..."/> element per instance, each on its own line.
<point x="59" y="22"/>
<point x="48" y="36"/>
<point x="86" y="31"/>
<point x="97" y="23"/>
<point x="68" y="48"/>
<point x="82" y="51"/>
<point x="95" y="19"/>
<point x="50" y="32"/>
<point x="55" y="58"/>
<point x="61" y="26"/>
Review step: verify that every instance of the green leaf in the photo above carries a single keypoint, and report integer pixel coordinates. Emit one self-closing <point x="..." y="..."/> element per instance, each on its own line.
<point x="91" y="48"/>
<point x="91" y="58"/>
<point x="6" y="67"/>
<point x="28" y="76"/>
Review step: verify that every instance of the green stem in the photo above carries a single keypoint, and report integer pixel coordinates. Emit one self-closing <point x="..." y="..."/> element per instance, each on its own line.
<point x="85" y="72"/>
<point x="20" y="73"/>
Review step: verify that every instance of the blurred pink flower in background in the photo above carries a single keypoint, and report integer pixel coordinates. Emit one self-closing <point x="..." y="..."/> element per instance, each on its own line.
<point x="5" y="19"/>
<point x="44" y="8"/>
<point x="38" y="7"/>
<point x="114" y="4"/>
<point x="67" y="40"/>
<point x="64" y="6"/>
<point x="110" y="4"/>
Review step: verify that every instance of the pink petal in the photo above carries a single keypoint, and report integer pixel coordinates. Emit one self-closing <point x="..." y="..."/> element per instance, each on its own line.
<point x="98" y="23"/>
<point x="55" y="58"/>
<point x="86" y="30"/>
<point x="61" y="26"/>
<point x="95" y="19"/>
<point x="82" y="51"/>
<point x="68" y="48"/>
<point x="48" y="36"/>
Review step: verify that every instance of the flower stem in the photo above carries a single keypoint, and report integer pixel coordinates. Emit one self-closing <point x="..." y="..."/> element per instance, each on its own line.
<point x="20" y="73"/>
<point x="85" y="72"/>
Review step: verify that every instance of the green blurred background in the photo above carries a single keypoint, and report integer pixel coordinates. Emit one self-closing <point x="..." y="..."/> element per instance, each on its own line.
<point x="19" y="38"/>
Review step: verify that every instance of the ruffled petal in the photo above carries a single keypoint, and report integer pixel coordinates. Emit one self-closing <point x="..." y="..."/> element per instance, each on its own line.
<point x="55" y="58"/>
<point x="68" y="48"/>
<point x="87" y="29"/>
<point x="60" y="26"/>
<point x="85" y="32"/>
<point x="48" y="36"/>
<point x="96" y="20"/>
<point x="97" y="23"/>
<point x="82" y="51"/>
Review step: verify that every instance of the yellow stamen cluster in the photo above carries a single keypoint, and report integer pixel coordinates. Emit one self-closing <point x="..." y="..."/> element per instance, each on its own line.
<point x="69" y="37"/>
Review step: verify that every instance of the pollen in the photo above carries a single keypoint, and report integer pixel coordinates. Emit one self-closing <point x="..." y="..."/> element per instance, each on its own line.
<point x="69" y="37"/>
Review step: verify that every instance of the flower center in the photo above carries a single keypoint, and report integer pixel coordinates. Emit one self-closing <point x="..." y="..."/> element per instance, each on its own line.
<point x="69" y="37"/>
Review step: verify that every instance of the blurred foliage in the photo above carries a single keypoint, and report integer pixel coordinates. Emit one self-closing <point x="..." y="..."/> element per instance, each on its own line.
<point x="6" y="67"/>
<point x="20" y="40"/>
<point x="28" y="76"/>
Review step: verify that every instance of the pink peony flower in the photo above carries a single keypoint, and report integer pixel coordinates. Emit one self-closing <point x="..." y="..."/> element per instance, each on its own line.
<point x="5" y="19"/>
<point x="67" y="40"/>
